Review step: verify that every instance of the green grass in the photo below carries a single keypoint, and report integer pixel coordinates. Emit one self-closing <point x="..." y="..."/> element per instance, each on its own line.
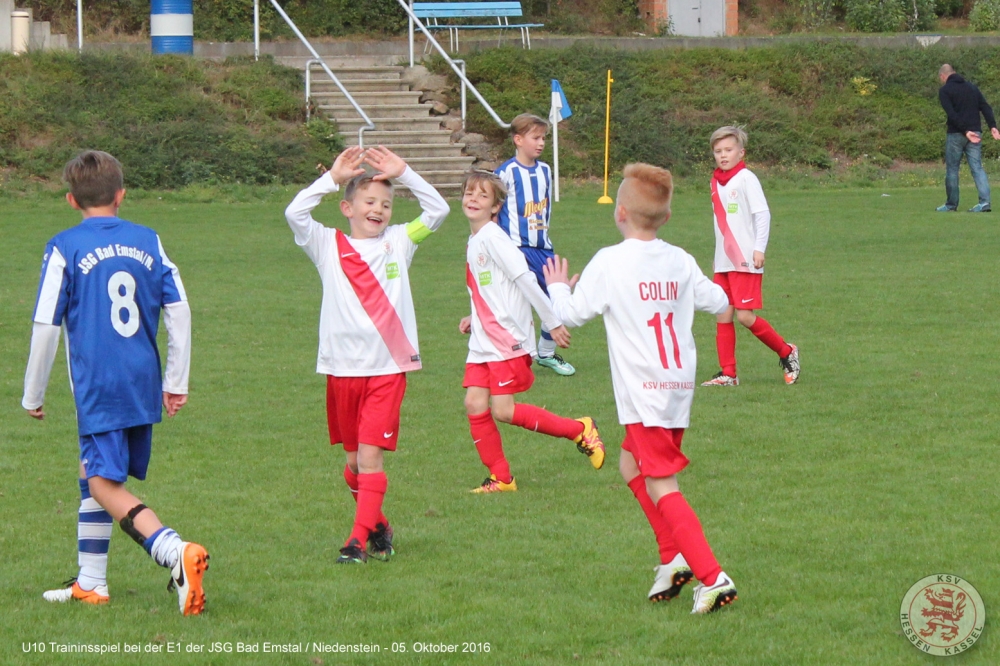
<point x="824" y="501"/>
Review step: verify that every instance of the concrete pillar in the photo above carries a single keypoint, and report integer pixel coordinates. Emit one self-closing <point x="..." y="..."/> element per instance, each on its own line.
<point x="41" y="31"/>
<point x="654" y="14"/>
<point x="6" y="7"/>
<point x="20" y="31"/>
<point x="732" y="17"/>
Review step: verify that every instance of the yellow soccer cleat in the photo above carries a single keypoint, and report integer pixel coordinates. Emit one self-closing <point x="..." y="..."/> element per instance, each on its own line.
<point x="589" y="442"/>
<point x="492" y="485"/>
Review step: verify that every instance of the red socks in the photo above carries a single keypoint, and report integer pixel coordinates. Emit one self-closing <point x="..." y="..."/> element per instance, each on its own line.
<point x="725" y="342"/>
<point x="540" y="420"/>
<point x="371" y="491"/>
<point x="689" y="537"/>
<point x="489" y="445"/>
<point x="668" y="549"/>
<point x="352" y="482"/>
<point x="766" y="334"/>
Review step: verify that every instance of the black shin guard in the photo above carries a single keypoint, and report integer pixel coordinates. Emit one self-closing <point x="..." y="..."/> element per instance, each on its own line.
<point x="129" y="529"/>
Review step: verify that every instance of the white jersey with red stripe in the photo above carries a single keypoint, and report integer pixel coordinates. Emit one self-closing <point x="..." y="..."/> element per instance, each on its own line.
<point x="367" y="324"/>
<point x="647" y="292"/>
<point x="737" y="236"/>
<point x="502" y="325"/>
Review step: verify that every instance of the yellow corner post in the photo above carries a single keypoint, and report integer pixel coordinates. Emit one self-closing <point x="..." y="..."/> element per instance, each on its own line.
<point x="607" y="143"/>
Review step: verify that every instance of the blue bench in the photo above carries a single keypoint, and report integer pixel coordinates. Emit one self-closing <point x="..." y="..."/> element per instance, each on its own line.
<point x="432" y="12"/>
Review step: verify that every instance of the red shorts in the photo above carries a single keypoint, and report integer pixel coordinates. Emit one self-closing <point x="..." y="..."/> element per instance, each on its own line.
<point x="364" y="409"/>
<point x="501" y="377"/>
<point x="743" y="289"/>
<point x="657" y="451"/>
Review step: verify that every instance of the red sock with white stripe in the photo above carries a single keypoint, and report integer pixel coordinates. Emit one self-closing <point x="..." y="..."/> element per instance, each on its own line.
<point x="725" y="342"/>
<point x="540" y="420"/>
<point x="766" y="334"/>
<point x="686" y="530"/>
<point x="371" y="492"/>
<point x="668" y="549"/>
<point x="352" y="482"/>
<point x="486" y="437"/>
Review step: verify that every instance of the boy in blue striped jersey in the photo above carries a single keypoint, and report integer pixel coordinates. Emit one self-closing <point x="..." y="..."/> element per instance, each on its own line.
<point x="527" y="212"/>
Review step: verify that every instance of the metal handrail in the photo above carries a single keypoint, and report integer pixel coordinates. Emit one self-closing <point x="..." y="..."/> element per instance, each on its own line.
<point x="317" y="59"/>
<point x="458" y="72"/>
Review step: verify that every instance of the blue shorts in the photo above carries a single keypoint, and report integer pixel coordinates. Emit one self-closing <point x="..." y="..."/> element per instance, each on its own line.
<point x="536" y="259"/>
<point x="117" y="454"/>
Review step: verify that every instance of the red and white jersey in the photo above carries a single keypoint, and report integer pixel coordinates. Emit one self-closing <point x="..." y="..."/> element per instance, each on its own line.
<point x="502" y="325"/>
<point x="367" y="325"/>
<point x="740" y="228"/>
<point x="647" y="292"/>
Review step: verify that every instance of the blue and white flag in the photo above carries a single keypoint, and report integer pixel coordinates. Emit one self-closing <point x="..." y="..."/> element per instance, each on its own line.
<point x="560" y="107"/>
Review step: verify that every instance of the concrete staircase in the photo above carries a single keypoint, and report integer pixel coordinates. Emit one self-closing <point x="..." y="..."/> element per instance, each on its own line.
<point x="402" y="123"/>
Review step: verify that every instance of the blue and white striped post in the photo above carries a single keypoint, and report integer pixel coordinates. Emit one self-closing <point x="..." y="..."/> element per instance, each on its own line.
<point x="171" y="25"/>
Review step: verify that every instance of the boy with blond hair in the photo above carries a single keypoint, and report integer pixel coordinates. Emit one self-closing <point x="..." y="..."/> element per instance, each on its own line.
<point x="527" y="212"/>
<point x="742" y="227"/>
<point x="502" y="340"/>
<point x="647" y="291"/>
<point x="367" y="327"/>
<point x="107" y="280"/>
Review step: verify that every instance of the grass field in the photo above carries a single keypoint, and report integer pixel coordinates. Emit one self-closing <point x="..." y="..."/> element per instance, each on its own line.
<point x="824" y="501"/>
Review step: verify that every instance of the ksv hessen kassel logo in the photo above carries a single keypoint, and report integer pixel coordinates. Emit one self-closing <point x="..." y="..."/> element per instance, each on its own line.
<point x="942" y="615"/>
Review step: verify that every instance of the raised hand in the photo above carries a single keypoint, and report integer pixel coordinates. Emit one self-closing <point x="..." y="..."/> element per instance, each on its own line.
<point x="387" y="162"/>
<point x="347" y="165"/>
<point x="556" y="271"/>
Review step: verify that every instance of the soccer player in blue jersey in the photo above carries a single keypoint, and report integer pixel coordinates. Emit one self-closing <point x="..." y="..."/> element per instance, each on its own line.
<point x="106" y="281"/>
<point x="527" y="212"/>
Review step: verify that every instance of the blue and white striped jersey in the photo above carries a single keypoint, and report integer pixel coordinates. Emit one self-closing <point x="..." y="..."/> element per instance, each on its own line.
<point x="106" y="279"/>
<point x="526" y="214"/>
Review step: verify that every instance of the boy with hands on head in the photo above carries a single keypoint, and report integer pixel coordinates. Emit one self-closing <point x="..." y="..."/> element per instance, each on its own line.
<point x="647" y="291"/>
<point x="503" y="291"/>
<point x="368" y="328"/>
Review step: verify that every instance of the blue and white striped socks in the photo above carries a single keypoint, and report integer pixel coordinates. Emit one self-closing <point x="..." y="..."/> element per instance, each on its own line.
<point x="93" y="533"/>
<point x="164" y="546"/>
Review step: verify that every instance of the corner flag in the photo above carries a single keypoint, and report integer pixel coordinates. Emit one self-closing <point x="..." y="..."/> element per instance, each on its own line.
<point x="560" y="107"/>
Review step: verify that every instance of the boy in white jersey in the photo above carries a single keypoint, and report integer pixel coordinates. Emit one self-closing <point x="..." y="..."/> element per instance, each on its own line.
<point x="502" y="340"/>
<point x="527" y="212"/>
<point x="742" y="226"/>
<point x="106" y="281"/>
<point x="647" y="291"/>
<point x="367" y="329"/>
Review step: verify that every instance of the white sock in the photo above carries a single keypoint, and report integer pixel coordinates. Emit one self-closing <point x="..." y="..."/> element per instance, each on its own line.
<point x="93" y="534"/>
<point x="546" y="348"/>
<point x="166" y="548"/>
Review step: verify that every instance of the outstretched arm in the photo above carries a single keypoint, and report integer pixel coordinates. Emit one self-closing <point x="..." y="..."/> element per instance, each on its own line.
<point x="527" y="283"/>
<point x="44" y="343"/>
<point x="575" y="306"/>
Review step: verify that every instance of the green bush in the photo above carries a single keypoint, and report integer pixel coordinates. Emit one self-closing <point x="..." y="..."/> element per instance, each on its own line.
<point x="890" y="15"/>
<point x="172" y="121"/>
<point x="802" y="104"/>
<point x="985" y="16"/>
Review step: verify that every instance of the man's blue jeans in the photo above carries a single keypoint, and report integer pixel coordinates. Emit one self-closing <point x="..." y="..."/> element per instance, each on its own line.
<point x="955" y="146"/>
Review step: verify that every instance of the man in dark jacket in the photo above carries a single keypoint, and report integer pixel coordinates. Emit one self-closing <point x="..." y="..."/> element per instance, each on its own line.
<point x="963" y="103"/>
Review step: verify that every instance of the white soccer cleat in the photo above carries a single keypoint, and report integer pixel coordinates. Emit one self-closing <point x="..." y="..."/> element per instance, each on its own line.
<point x="712" y="598"/>
<point x="670" y="578"/>
<point x="98" y="596"/>
<point x="721" y="379"/>
<point x="790" y="365"/>
<point x="186" y="577"/>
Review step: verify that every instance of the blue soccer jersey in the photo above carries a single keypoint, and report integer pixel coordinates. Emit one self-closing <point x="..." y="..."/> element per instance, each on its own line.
<point x="106" y="281"/>
<point x="526" y="214"/>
